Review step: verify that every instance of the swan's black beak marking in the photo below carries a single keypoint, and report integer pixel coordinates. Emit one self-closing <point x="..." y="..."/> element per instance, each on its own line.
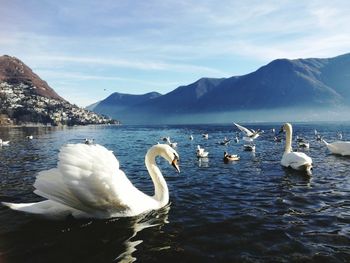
<point x="175" y="163"/>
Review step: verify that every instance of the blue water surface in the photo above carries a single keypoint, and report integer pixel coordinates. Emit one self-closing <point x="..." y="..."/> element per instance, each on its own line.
<point x="251" y="210"/>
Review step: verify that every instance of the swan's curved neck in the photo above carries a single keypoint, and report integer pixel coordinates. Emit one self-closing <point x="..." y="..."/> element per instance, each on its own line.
<point x="161" y="192"/>
<point x="289" y="134"/>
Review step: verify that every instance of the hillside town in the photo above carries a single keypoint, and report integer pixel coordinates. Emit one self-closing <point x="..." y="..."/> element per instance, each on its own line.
<point x="21" y="105"/>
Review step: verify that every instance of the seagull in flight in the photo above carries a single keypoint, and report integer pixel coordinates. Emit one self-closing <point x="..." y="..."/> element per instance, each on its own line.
<point x="250" y="134"/>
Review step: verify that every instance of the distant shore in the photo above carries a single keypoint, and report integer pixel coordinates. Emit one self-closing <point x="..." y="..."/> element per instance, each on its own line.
<point x="61" y="125"/>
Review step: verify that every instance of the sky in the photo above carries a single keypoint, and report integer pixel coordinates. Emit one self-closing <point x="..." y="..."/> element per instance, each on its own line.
<point x="87" y="49"/>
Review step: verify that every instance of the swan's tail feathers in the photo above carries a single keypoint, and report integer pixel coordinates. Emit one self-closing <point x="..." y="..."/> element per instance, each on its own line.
<point x="33" y="208"/>
<point x="47" y="208"/>
<point x="19" y="207"/>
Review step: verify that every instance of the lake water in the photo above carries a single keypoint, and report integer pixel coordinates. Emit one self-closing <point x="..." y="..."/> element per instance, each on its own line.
<point x="252" y="210"/>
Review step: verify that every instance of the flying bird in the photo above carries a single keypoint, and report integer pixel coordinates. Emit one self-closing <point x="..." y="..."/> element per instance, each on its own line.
<point x="250" y="134"/>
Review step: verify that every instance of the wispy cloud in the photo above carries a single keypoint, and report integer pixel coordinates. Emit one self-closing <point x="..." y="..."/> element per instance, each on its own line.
<point x="133" y="64"/>
<point x="164" y="42"/>
<point x="79" y="76"/>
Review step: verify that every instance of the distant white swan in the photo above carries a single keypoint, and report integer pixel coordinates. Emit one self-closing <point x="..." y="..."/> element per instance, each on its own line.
<point x="341" y="148"/>
<point x="88" y="183"/>
<point x="29" y="137"/>
<point x="201" y="153"/>
<point x="340" y="136"/>
<point x="250" y="134"/>
<point x="295" y="160"/>
<point x="191" y="137"/>
<point x="89" y="141"/>
<point x="168" y="141"/>
<point x="4" y="143"/>
<point x="205" y="135"/>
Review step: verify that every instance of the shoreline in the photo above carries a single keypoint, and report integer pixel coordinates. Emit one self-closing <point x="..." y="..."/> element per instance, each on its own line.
<point x="55" y="126"/>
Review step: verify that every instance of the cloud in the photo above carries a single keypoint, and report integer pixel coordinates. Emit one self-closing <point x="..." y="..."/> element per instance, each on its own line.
<point x="165" y="42"/>
<point x="79" y="76"/>
<point x="124" y="63"/>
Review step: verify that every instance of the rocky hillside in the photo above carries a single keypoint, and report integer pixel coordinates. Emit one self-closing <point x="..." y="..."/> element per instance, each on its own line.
<point x="26" y="99"/>
<point x="14" y="72"/>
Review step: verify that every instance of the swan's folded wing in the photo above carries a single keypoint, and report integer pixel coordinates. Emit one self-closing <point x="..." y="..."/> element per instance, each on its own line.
<point x="247" y="131"/>
<point x="87" y="178"/>
<point x="342" y="148"/>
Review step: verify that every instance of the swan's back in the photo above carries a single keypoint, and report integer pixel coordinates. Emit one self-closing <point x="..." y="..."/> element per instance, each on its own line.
<point x="295" y="160"/>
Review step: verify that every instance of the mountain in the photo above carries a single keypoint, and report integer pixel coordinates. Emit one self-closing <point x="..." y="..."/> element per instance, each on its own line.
<point x="117" y="102"/>
<point x="14" y="71"/>
<point x="309" y="85"/>
<point x="184" y="98"/>
<point x="27" y="99"/>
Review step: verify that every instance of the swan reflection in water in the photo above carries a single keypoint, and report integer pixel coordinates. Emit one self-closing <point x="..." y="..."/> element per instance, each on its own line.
<point x="81" y="240"/>
<point x="203" y="162"/>
<point x="154" y="219"/>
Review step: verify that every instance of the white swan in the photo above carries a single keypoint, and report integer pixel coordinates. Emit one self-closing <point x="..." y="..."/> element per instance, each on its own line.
<point x="171" y="144"/>
<point x="295" y="160"/>
<point x="201" y="153"/>
<point x="340" y="135"/>
<point x="88" y="183"/>
<point x="250" y="134"/>
<point x="88" y="141"/>
<point x="4" y="143"/>
<point x="168" y="141"/>
<point x="341" y="148"/>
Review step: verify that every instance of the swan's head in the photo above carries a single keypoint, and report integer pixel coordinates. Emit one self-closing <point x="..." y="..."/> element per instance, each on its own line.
<point x="286" y="126"/>
<point x="169" y="154"/>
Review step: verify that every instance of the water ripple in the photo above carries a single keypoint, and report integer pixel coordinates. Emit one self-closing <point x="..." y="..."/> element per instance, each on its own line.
<point x="252" y="210"/>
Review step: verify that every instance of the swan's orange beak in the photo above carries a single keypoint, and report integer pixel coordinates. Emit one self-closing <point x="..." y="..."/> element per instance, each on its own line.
<point x="176" y="164"/>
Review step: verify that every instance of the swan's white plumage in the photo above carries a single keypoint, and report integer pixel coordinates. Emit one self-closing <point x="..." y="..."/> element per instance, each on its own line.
<point x="88" y="183"/>
<point x="250" y="133"/>
<point x="201" y="153"/>
<point x="295" y="160"/>
<point x="4" y="143"/>
<point x="339" y="147"/>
